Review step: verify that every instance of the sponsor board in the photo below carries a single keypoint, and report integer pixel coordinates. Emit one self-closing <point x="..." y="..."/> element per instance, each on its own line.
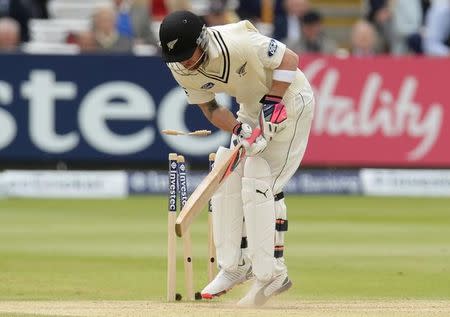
<point x="65" y="184"/>
<point x="384" y="111"/>
<point x="62" y="110"/>
<point x="304" y="182"/>
<point x="121" y="184"/>
<point x="381" y="112"/>
<point x="389" y="182"/>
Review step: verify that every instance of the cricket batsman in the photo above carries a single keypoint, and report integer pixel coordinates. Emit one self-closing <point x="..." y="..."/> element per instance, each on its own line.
<point x="276" y="106"/>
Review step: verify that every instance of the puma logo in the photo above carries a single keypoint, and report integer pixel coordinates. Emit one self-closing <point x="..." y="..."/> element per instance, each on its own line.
<point x="262" y="193"/>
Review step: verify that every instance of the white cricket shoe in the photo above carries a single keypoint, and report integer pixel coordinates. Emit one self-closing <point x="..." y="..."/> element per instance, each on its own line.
<point x="260" y="292"/>
<point x="225" y="281"/>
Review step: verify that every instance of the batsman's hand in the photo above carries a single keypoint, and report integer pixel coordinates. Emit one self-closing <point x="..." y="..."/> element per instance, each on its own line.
<point x="273" y="116"/>
<point x="242" y="131"/>
<point x="252" y="139"/>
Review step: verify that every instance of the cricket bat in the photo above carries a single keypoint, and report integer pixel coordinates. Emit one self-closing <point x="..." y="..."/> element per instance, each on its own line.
<point x="203" y="193"/>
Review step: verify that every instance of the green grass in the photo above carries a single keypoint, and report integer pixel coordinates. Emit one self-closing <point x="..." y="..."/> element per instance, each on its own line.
<point x="337" y="248"/>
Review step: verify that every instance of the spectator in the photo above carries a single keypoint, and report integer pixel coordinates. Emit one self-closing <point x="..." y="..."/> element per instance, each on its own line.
<point x="397" y="22"/>
<point x="174" y="5"/>
<point x="157" y="10"/>
<point x="17" y="10"/>
<point x="249" y="10"/>
<point x="287" y="26"/>
<point x="134" y="22"/>
<point x="380" y="14"/>
<point x="406" y="22"/>
<point x="415" y="40"/>
<point x="437" y="29"/>
<point x="106" y="36"/>
<point x="363" y="39"/>
<point x="38" y="8"/>
<point x="378" y="11"/>
<point x="160" y="8"/>
<point x="86" y="42"/>
<point x="9" y="35"/>
<point x="219" y="13"/>
<point x="313" y="38"/>
<point x="425" y="6"/>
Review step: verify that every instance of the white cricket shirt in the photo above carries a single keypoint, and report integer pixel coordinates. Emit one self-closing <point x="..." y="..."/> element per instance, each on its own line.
<point x="241" y="64"/>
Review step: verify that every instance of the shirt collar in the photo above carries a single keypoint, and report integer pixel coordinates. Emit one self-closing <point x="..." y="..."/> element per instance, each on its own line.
<point x="213" y="48"/>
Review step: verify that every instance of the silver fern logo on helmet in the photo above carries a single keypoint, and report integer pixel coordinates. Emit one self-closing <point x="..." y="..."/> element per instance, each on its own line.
<point x="202" y="42"/>
<point x="171" y="44"/>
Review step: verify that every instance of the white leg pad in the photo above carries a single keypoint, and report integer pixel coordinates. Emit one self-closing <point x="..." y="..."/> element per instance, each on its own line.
<point x="227" y="215"/>
<point x="259" y="211"/>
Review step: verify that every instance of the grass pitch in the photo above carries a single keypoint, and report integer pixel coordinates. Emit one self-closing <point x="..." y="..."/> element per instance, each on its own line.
<point x="337" y="249"/>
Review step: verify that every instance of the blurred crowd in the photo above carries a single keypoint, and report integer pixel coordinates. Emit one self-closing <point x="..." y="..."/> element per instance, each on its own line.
<point x="398" y="27"/>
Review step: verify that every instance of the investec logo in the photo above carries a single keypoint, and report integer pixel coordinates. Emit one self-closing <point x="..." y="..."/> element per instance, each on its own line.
<point x="119" y="102"/>
<point x="173" y="187"/>
<point x="182" y="184"/>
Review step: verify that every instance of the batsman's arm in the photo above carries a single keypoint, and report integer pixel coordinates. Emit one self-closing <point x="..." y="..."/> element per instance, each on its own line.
<point x="218" y="115"/>
<point x="273" y="115"/>
<point x="288" y="64"/>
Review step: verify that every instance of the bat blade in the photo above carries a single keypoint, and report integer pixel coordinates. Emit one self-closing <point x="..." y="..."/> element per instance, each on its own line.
<point x="204" y="191"/>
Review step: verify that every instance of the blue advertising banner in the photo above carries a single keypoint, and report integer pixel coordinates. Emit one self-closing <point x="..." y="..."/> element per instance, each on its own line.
<point x="308" y="182"/>
<point x="96" y="108"/>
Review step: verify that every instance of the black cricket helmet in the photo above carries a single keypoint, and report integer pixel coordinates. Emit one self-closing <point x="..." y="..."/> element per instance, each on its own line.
<point x="180" y="33"/>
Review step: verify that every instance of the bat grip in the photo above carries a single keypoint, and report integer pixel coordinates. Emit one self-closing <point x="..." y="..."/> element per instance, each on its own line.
<point x="256" y="133"/>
